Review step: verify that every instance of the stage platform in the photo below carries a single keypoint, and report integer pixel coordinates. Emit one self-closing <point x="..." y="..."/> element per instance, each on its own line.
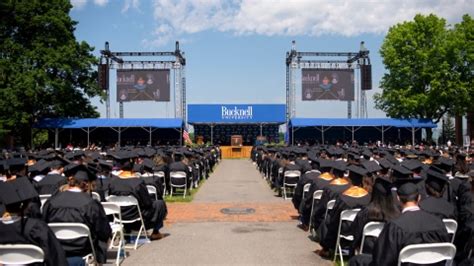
<point x="235" y="152"/>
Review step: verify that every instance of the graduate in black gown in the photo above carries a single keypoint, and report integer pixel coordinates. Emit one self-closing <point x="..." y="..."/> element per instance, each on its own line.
<point x="180" y="165"/>
<point x="434" y="203"/>
<point x="127" y="183"/>
<point x="17" y="168"/>
<point x="53" y="180"/>
<point x="337" y="185"/>
<point x="381" y="208"/>
<point x="73" y="204"/>
<point x="317" y="181"/>
<point x="15" y="228"/>
<point x="413" y="226"/>
<point x="355" y="197"/>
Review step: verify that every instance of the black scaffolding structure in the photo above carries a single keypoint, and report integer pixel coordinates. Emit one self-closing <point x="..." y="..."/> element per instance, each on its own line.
<point x="296" y="60"/>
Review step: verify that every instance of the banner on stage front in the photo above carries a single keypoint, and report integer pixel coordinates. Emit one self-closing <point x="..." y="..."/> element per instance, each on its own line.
<point x="143" y="85"/>
<point x="327" y="84"/>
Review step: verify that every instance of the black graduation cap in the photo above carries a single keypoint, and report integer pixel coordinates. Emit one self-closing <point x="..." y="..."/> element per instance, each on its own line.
<point x="339" y="167"/>
<point x="80" y="172"/>
<point x="149" y="152"/>
<point x="105" y="165"/>
<point x="74" y="155"/>
<point x="39" y="166"/>
<point x="356" y="174"/>
<point x="407" y="189"/>
<point x="400" y="172"/>
<point x="412" y="165"/>
<point x="15" y="163"/>
<point x="383" y="185"/>
<point x="367" y="153"/>
<point x="384" y="163"/>
<point x="371" y="166"/>
<point x="16" y="191"/>
<point x="436" y="180"/>
<point x="148" y="164"/>
<point x="444" y="163"/>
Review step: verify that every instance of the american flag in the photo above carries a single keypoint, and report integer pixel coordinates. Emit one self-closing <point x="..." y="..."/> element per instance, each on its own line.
<point x="186" y="137"/>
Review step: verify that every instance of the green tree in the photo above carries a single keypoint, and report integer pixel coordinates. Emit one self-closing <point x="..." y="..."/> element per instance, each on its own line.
<point x="424" y="78"/>
<point x="44" y="71"/>
<point x="448" y="131"/>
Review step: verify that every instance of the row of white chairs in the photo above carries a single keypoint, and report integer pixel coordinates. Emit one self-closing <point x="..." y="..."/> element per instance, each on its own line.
<point x="26" y="254"/>
<point x="410" y="254"/>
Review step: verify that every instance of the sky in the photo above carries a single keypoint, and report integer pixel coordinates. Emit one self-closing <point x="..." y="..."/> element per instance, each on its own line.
<point x="235" y="49"/>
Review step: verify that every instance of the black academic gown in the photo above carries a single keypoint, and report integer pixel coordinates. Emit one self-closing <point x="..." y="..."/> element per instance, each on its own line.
<point x="461" y="192"/>
<point x="79" y="207"/>
<point x="329" y="193"/>
<point x="180" y="166"/>
<point x="154" y="212"/>
<point x="412" y="227"/>
<point x="50" y="184"/>
<point x="317" y="183"/>
<point x="343" y="202"/>
<point x="304" y="164"/>
<point x="357" y="228"/>
<point x="439" y="207"/>
<point x="287" y="167"/>
<point x="153" y="180"/>
<point x="34" y="232"/>
<point x="298" y="194"/>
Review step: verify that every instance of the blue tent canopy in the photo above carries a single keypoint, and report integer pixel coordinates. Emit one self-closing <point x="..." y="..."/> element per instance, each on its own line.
<point x="119" y="125"/>
<point x="362" y="122"/>
<point x="110" y="122"/>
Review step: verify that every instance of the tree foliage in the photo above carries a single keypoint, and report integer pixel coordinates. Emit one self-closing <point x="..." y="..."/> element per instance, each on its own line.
<point x="429" y="68"/>
<point x="44" y="70"/>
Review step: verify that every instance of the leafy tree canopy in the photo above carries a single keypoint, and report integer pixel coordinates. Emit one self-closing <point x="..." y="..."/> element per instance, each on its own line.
<point x="429" y="68"/>
<point x="44" y="70"/>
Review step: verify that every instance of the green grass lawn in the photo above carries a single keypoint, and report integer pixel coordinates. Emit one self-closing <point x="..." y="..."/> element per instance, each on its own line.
<point x="178" y="194"/>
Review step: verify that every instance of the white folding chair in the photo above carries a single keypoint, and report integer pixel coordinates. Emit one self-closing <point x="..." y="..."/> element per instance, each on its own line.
<point x="427" y="253"/>
<point x="131" y="201"/>
<point x="161" y="175"/>
<point x="349" y="216"/>
<point x="451" y="227"/>
<point x="112" y="208"/>
<point x="371" y="229"/>
<point x="72" y="231"/>
<point x="306" y="188"/>
<point x="152" y="191"/>
<point x="43" y="199"/>
<point x="182" y="178"/>
<point x="96" y="196"/>
<point x="290" y="180"/>
<point x="20" y="254"/>
<point x="329" y="207"/>
<point x="316" y="196"/>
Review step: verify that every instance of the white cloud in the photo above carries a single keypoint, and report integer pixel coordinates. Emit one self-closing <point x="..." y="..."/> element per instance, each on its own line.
<point x="131" y="4"/>
<point x="101" y="2"/>
<point x="296" y="17"/>
<point x="78" y="4"/>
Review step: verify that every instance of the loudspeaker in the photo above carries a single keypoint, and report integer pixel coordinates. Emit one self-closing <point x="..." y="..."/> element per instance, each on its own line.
<point x="102" y="71"/>
<point x="366" y="77"/>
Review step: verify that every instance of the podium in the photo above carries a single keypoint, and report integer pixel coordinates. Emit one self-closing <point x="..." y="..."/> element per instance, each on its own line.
<point x="236" y="144"/>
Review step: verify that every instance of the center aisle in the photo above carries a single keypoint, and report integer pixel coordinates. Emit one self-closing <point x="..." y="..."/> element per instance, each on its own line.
<point x="202" y="234"/>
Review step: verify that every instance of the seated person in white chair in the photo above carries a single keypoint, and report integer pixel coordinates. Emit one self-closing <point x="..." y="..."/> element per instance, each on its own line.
<point x="16" y="228"/>
<point x="73" y="204"/>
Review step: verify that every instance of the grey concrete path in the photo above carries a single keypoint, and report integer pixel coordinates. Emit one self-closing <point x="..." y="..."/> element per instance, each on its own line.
<point x="236" y="181"/>
<point x="234" y="242"/>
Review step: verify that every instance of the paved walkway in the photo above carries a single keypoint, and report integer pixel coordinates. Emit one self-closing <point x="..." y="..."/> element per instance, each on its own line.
<point x="201" y="234"/>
